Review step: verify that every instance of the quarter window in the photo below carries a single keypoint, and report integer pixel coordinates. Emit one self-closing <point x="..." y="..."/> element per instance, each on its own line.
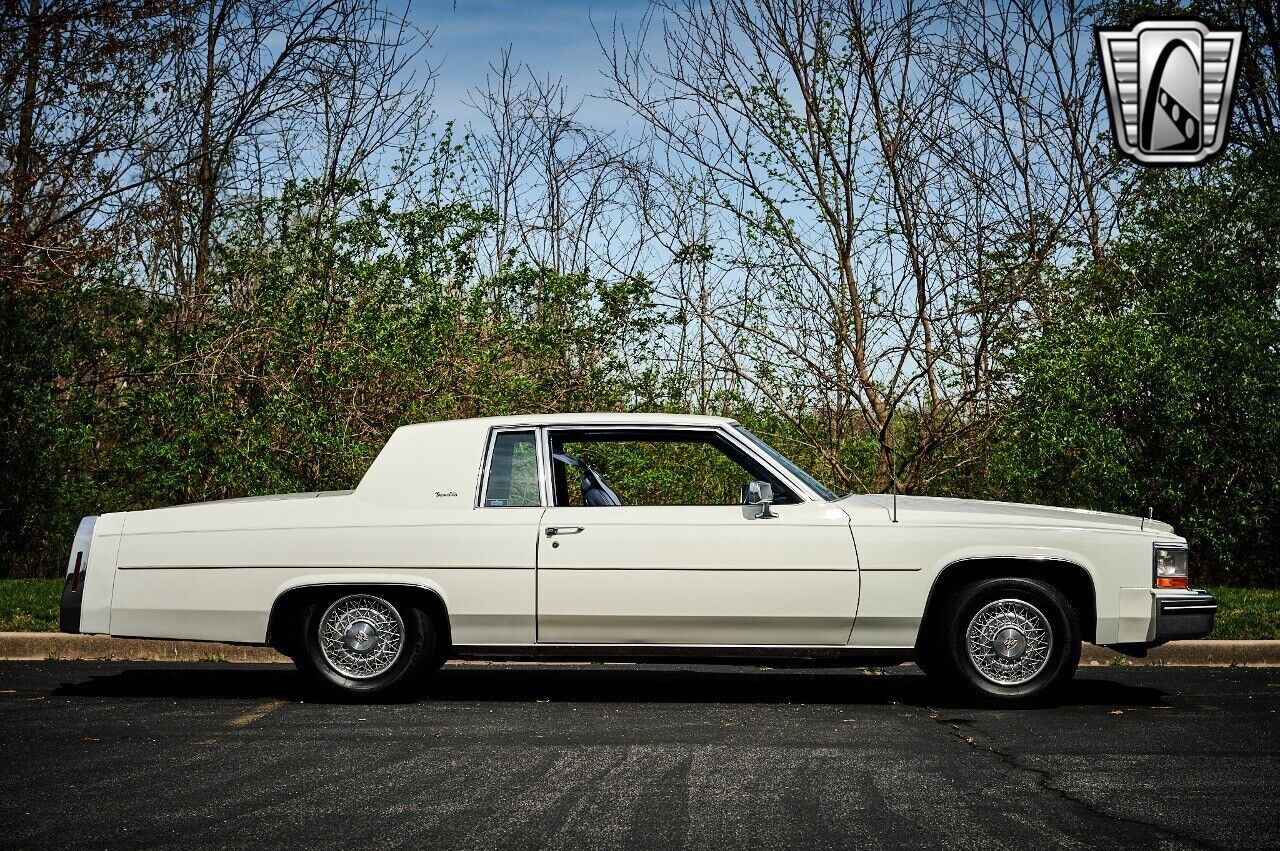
<point x="512" y="480"/>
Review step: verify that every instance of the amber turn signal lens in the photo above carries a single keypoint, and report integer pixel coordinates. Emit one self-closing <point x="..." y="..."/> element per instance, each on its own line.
<point x="1169" y="563"/>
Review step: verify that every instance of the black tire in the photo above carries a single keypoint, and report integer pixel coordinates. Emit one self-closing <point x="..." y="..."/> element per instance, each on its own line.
<point x="985" y="674"/>
<point x="419" y="652"/>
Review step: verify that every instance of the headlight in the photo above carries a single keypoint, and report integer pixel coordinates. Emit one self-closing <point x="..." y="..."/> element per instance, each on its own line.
<point x="1169" y="566"/>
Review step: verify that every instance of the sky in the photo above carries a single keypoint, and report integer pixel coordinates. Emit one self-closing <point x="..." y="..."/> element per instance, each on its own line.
<point x="553" y="37"/>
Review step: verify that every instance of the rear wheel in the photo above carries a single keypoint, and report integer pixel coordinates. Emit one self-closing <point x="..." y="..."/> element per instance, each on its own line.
<point x="1005" y="641"/>
<point x="365" y="645"/>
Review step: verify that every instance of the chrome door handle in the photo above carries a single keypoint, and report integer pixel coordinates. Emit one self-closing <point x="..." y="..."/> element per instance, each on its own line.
<point x="562" y="530"/>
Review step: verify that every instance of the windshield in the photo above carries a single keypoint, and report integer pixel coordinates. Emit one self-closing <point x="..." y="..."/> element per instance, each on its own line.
<point x="818" y="487"/>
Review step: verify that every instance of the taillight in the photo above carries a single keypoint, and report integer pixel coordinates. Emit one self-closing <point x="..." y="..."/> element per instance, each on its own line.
<point x="1169" y="566"/>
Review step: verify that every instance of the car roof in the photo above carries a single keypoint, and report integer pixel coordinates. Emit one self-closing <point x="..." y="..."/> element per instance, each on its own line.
<point x="594" y="419"/>
<point x="438" y="464"/>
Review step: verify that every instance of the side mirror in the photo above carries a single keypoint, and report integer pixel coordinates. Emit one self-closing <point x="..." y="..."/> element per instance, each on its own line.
<point x="761" y="494"/>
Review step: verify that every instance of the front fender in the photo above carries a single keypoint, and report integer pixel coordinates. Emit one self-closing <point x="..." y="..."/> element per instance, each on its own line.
<point x="957" y="557"/>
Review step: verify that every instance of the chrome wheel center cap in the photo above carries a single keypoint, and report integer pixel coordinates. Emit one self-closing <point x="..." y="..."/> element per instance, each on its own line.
<point x="360" y="636"/>
<point x="1009" y="643"/>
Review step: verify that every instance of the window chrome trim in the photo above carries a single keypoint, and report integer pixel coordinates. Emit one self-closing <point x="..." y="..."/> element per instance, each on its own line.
<point x="799" y="487"/>
<point x="482" y="486"/>
<point x="726" y="431"/>
<point x="545" y="481"/>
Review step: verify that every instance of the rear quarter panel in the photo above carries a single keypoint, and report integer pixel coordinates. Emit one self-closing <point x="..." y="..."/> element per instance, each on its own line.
<point x="220" y="584"/>
<point x="213" y="571"/>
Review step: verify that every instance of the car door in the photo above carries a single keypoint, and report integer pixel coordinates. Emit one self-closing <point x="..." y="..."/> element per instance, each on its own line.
<point x="696" y="575"/>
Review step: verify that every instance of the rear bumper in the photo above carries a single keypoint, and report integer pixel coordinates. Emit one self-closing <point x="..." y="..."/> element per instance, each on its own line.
<point x="1187" y="614"/>
<point x="77" y="575"/>
<point x="72" y="602"/>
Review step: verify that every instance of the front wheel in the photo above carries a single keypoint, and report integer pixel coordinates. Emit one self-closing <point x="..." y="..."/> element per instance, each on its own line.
<point x="365" y="645"/>
<point x="1005" y="641"/>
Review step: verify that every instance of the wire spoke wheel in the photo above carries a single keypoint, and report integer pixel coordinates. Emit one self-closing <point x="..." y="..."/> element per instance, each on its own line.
<point x="1009" y="642"/>
<point x="361" y="636"/>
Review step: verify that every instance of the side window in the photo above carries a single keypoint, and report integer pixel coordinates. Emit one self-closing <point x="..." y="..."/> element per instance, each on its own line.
<point x="512" y="478"/>
<point x="651" y="467"/>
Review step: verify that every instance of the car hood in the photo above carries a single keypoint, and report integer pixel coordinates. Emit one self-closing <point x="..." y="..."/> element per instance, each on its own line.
<point x="928" y="510"/>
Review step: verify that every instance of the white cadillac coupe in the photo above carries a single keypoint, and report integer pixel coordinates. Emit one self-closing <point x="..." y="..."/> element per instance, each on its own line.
<point x="631" y="536"/>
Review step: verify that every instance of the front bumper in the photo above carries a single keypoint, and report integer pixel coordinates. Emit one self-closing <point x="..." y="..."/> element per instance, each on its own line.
<point x="1186" y="614"/>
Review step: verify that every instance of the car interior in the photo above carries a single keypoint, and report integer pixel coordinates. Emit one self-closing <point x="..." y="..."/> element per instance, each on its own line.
<point x="594" y="490"/>
<point x="571" y="472"/>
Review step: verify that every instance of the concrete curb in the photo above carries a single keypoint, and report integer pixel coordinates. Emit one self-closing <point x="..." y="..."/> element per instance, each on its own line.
<point x="55" y="645"/>
<point x="1200" y="652"/>
<point x="58" y="645"/>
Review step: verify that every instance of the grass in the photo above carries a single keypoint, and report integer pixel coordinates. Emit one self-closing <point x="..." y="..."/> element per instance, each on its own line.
<point x="1246" y="613"/>
<point x="31" y="605"/>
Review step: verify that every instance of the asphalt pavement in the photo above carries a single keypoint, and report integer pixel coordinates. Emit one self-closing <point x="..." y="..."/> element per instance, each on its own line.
<point x="100" y="754"/>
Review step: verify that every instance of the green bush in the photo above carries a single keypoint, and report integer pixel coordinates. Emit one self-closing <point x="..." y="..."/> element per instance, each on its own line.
<point x="1154" y="379"/>
<point x="323" y="334"/>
